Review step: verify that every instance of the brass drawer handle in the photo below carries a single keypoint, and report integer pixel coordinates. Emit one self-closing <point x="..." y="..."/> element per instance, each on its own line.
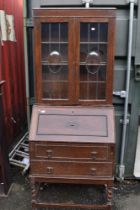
<point x="49" y="153"/>
<point x="49" y="170"/>
<point x="94" y="154"/>
<point x="93" y="171"/>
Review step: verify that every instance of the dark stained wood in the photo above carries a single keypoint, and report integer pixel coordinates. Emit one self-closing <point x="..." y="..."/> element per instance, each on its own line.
<point x="67" y="205"/>
<point x="71" y="168"/>
<point x="37" y="52"/>
<point x="4" y="163"/>
<point x="38" y="67"/>
<point x="69" y="152"/>
<point x="61" y="160"/>
<point x="71" y="53"/>
<point x="74" y="12"/>
<point x="88" y="120"/>
<point x="73" y="18"/>
<point x="73" y="180"/>
<point x="74" y="144"/>
<point x="110" y="64"/>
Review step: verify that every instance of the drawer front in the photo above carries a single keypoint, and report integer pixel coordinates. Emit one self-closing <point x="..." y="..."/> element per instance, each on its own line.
<point x="75" y="169"/>
<point x="99" y="153"/>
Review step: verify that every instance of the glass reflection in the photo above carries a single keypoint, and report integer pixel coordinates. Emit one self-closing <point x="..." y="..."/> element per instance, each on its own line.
<point x="93" y="61"/>
<point x="54" y="61"/>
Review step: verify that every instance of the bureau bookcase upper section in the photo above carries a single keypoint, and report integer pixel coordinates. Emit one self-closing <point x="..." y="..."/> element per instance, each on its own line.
<point x="74" y="55"/>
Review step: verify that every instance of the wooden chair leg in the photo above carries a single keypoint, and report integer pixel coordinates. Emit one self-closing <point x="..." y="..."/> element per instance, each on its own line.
<point x="109" y="196"/>
<point x="33" y="188"/>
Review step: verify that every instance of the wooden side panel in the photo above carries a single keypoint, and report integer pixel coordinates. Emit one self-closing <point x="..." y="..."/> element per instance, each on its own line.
<point x="4" y="163"/>
<point x="12" y="71"/>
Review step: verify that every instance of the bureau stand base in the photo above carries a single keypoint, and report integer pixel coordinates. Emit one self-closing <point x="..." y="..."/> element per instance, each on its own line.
<point x="35" y="206"/>
<point x="43" y="195"/>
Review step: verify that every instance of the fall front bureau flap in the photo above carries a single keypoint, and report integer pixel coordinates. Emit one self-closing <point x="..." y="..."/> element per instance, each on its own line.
<point x="72" y="124"/>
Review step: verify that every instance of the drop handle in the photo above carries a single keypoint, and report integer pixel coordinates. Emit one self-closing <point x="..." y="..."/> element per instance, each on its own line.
<point x="49" y="170"/>
<point x="49" y="153"/>
<point x="94" y="154"/>
<point x="93" y="171"/>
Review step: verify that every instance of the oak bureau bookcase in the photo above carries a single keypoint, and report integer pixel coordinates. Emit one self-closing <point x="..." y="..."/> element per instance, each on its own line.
<point x="72" y="138"/>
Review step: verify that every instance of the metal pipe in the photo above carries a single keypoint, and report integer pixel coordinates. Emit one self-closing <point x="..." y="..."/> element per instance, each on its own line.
<point x="87" y="3"/>
<point x="125" y="120"/>
<point x="26" y="64"/>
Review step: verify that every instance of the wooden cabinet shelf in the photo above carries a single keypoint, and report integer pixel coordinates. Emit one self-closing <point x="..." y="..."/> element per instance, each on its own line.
<point x="93" y="64"/>
<point x="93" y="42"/>
<point x="92" y="82"/>
<point x="54" y="64"/>
<point x="55" y="81"/>
<point x="47" y="42"/>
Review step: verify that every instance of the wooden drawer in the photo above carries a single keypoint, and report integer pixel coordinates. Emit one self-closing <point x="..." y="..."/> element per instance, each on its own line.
<point x="99" y="153"/>
<point x="74" y="168"/>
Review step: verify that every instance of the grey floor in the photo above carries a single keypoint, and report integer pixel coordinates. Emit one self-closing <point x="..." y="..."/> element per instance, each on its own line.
<point x="126" y="196"/>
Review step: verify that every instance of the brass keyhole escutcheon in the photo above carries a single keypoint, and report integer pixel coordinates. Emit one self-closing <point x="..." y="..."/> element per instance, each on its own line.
<point x="94" y="155"/>
<point x="49" y="170"/>
<point x="93" y="171"/>
<point x="49" y="153"/>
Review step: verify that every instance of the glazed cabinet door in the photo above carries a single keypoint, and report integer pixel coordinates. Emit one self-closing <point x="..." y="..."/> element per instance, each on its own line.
<point x="54" y="61"/>
<point x="74" y="56"/>
<point x="94" y="60"/>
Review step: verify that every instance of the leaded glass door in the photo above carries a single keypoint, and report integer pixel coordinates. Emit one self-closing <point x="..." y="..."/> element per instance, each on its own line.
<point x="74" y="57"/>
<point x="56" y="46"/>
<point x="92" y="73"/>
